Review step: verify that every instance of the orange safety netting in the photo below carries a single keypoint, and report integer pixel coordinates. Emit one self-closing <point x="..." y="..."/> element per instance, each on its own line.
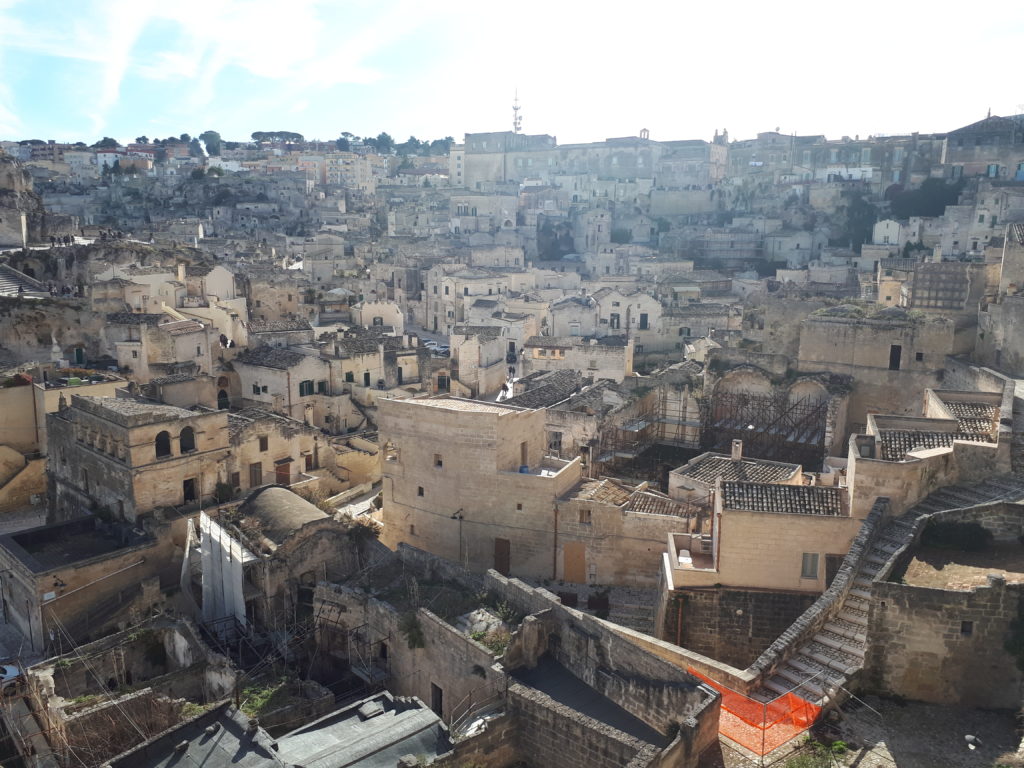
<point x="757" y="726"/>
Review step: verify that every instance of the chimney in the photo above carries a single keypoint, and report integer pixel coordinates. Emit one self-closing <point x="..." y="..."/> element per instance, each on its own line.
<point x="181" y="273"/>
<point x="737" y="450"/>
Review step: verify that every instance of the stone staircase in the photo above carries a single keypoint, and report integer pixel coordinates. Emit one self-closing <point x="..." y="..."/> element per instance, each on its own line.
<point x="836" y="653"/>
<point x="11" y="280"/>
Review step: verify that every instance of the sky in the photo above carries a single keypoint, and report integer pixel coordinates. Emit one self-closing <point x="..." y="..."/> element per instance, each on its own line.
<point x="78" y="70"/>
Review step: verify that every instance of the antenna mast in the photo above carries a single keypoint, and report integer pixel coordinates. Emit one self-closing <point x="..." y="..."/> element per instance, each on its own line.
<point x="517" y="119"/>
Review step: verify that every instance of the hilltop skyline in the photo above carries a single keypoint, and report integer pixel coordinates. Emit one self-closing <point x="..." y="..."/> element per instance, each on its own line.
<point x="125" y="69"/>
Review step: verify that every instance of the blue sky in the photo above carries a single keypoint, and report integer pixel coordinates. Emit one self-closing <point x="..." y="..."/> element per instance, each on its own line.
<point x="82" y="69"/>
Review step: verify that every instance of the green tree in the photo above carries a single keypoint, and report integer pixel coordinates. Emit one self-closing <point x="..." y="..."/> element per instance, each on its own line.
<point x="106" y="143"/>
<point x="343" y="144"/>
<point x="441" y="146"/>
<point x="197" y="174"/>
<point x="410" y="146"/>
<point x="930" y="199"/>
<point x="385" y="144"/>
<point x="142" y="140"/>
<point x="184" y="138"/>
<point x="212" y="141"/>
<point x="195" y="149"/>
<point x="215" y="170"/>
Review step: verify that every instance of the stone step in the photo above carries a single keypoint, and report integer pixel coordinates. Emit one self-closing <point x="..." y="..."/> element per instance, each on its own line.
<point x="862" y="583"/>
<point x="853" y="616"/>
<point x="841" y="643"/>
<point x="833" y="658"/>
<point x="799" y="680"/>
<point x="842" y="628"/>
<point x="859" y="592"/>
<point x="857" y="602"/>
<point x="877" y="559"/>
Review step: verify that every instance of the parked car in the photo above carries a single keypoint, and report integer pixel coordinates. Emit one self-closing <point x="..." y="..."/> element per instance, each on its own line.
<point x="443" y="350"/>
<point x="430" y="344"/>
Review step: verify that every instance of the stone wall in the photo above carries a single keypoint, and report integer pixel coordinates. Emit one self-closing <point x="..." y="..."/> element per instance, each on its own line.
<point x="552" y="734"/>
<point x="732" y="625"/>
<point x="657" y="692"/>
<point x="942" y="645"/>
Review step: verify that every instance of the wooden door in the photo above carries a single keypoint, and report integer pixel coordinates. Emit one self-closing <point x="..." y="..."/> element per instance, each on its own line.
<point x="284" y="473"/>
<point x="502" y="556"/>
<point x="574" y="562"/>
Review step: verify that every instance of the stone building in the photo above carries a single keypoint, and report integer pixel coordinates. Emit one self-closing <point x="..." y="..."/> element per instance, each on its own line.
<point x="892" y="354"/>
<point x="960" y="437"/>
<point x="124" y="458"/>
<point x="609" y="357"/>
<point x="471" y="481"/>
<point x="542" y="693"/>
<point x="296" y="384"/>
<point x="153" y="345"/>
<point x="945" y="641"/>
<point x="259" y="564"/>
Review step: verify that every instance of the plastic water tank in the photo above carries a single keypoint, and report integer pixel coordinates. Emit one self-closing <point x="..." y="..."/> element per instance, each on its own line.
<point x="524" y="469"/>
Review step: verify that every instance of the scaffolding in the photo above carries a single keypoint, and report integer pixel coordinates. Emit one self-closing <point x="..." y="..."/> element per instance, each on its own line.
<point x="660" y="420"/>
<point x="771" y="426"/>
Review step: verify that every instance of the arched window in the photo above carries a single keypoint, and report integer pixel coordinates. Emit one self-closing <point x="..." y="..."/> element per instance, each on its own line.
<point x="223" y="401"/>
<point x="163" y="445"/>
<point x="187" y="439"/>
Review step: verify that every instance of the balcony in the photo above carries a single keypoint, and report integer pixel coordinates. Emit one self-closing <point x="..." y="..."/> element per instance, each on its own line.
<point x="691" y="552"/>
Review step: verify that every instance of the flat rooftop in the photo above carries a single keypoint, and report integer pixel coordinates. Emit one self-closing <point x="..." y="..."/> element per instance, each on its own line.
<point x="55" y="546"/>
<point x="468" y="406"/>
<point x="551" y="678"/>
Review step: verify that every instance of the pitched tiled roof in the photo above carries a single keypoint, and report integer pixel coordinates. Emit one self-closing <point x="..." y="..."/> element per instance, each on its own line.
<point x="718" y="465"/>
<point x="133" y="318"/>
<point x="897" y="443"/>
<point x="978" y="418"/>
<point x="272" y="326"/>
<point x="549" y="389"/>
<point x="652" y="503"/>
<point x="484" y="331"/>
<point x="784" y="499"/>
<point x="604" y="491"/>
<point x="270" y="357"/>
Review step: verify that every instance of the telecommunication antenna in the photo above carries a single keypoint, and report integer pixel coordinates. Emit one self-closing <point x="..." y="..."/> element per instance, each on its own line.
<point x="517" y="119"/>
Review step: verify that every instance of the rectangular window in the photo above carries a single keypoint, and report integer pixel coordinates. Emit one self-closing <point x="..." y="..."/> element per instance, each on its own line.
<point x="966" y="628"/>
<point x="236" y="479"/>
<point x="305" y="388"/>
<point x="419" y="490"/>
<point x="809" y="566"/>
<point x="584" y="517"/>
<point x="321" y="387"/>
<point x="255" y="389"/>
<point x="445" y="290"/>
<point x="643" y="321"/>
<point x="919" y="356"/>
<point x="199" y="351"/>
<point x="438" y="461"/>
<point x="264" y="442"/>
<point x="255" y="475"/>
<point x="350" y="376"/>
